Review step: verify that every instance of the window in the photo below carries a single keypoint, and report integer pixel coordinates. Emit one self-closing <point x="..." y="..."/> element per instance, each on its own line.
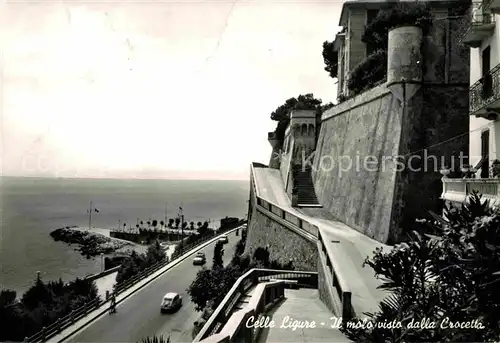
<point x="370" y="16"/>
<point x="485" y="71"/>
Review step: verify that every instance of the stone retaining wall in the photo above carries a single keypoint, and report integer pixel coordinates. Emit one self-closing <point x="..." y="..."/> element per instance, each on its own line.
<point x="284" y="245"/>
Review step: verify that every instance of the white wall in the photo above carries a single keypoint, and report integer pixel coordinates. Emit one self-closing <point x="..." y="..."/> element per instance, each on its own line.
<point x="478" y="125"/>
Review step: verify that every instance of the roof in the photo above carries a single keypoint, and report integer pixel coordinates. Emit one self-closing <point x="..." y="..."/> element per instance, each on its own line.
<point x="170" y="295"/>
<point x="374" y="4"/>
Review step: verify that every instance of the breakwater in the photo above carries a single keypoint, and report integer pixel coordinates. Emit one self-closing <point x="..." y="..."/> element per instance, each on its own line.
<point x="89" y="243"/>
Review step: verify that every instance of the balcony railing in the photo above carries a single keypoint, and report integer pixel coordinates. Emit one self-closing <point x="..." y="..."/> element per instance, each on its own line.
<point x="457" y="190"/>
<point x="484" y="95"/>
<point x="481" y="26"/>
<point x="494" y="6"/>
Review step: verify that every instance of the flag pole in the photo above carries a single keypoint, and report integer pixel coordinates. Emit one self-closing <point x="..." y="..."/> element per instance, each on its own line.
<point x="90" y="216"/>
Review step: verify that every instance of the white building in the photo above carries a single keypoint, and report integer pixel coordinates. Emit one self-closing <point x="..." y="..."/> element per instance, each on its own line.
<point x="483" y="37"/>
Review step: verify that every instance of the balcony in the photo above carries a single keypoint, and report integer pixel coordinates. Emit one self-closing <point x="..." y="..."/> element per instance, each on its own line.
<point x="457" y="190"/>
<point x="481" y="27"/>
<point x="494" y="6"/>
<point x="484" y="95"/>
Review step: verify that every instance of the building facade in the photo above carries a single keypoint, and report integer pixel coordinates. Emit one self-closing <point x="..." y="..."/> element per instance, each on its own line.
<point x="482" y="36"/>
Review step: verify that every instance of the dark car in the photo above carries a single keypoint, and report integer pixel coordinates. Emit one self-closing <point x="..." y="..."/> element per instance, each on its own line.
<point x="199" y="259"/>
<point x="171" y="302"/>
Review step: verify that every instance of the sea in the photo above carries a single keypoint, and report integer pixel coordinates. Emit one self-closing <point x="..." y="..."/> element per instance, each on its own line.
<point x="30" y="208"/>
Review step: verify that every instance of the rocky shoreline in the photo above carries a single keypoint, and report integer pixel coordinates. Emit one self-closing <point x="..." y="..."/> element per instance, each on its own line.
<point x="89" y="243"/>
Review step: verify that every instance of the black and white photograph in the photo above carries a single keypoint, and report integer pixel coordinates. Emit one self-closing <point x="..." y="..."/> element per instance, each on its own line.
<point x="256" y="171"/>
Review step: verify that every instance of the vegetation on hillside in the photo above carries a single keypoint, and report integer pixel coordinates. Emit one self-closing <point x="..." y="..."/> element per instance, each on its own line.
<point x="41" y="305"/>
<point x="136" y="263"/>
<point x="445" y="280"/>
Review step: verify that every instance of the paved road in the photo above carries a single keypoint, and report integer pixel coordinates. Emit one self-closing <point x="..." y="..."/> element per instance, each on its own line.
<point x="139" y="316"/>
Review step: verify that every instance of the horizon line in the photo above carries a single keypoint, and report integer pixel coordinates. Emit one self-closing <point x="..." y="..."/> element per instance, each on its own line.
<point x="121" y="178"/>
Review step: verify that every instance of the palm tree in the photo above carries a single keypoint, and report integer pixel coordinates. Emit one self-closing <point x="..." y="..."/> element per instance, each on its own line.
<point x="162" y="224"/>
<point x="149" y="223"/>
<point x="155" y="339"/>
<point x="154" y="223"/>
<point x="191" y="225"/>
<point x="177" y="222"/>
<point x="171" y="222"/>
<point x="142" y="223"/>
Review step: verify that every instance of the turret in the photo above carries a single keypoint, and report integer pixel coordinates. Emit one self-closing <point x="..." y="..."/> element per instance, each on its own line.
<point x="404" y="61"/>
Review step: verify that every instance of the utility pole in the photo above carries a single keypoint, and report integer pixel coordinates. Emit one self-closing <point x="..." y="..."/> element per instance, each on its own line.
<point x="165" y="213"/>
<point x="90" y="216"/>
<point x="181" y="215"/>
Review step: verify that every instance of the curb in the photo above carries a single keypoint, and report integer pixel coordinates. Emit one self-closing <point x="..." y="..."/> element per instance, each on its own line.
<point x="175" y="263"/>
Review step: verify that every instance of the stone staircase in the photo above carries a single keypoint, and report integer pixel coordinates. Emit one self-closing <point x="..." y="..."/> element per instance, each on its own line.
<point x="302" y="179"/>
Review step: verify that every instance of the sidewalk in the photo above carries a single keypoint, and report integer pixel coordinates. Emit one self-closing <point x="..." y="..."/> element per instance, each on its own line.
<point x="346" y="241"/>
<point x="301" y="307"/>
<point x="106" y="283"/>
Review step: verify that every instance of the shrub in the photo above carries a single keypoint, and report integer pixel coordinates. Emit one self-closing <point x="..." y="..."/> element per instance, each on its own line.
<point x="377" y="32"/>
<point x="453" y="277"/>
<point x="41" y="305"/>
<point x="218" y="262"/>
<point x="136" y="263"/>
<point x="368" y="73"/>
<point x="373" y="69"/>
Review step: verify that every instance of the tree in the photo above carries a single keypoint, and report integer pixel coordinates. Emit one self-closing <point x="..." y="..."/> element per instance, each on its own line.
<point x="191" y="225"/>
<point x="155" y="339"/>
<point x="170" y="222"/>
<point x="282" y="113"/>
<point x="155" y="253"/>
<point x="198" y="224"/>
<point x="211" y="286"/>
<point x="177" y="222"/>
<point x="154" y="223"/>
<point x="184" y="225"/>
<point x="162" y="224"/>
<point x="136" y="226"/>
<point x="124" y="226"/>
<point x="218" y="253"/>
<point x="142" y="223"/>
<point x="331" y="59"/>
<point x="453" y="276"/>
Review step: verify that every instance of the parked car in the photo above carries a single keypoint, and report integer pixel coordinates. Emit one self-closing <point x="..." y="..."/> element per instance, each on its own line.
<point x="199" y="259"/>
<point x="171" y="302"/>
<point x="224" y="239"/>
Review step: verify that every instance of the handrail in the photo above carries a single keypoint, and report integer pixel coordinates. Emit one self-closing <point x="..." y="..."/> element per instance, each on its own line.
<point x="68" y="320"/>
<point x="220" y="316"/>
<point x="300" y="218"/>
<point x="339" y="283"/>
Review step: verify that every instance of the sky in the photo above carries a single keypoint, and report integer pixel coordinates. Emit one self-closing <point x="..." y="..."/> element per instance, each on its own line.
<point x="154" y="89"/>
